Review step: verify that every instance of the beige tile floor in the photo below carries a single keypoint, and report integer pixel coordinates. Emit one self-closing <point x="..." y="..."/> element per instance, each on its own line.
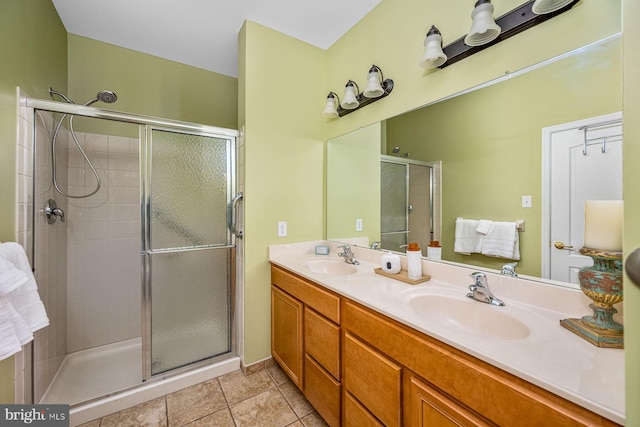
<point x="266" y="398"/>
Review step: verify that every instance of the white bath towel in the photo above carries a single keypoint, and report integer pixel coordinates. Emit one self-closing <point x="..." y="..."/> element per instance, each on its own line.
<point x="21" y="310"/>
<point x="467" y="240"/>
<point x="502" y="241"/>
<point x="483" y="226"/>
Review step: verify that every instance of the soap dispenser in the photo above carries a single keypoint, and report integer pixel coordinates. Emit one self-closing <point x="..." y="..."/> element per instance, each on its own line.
<point x="414" y="261"/>
<point x="434" y="250"/>
<point x="390" y="263"/>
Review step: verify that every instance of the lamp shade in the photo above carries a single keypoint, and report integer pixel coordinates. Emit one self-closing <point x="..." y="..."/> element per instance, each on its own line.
<point x="374" y="87"/>
<point x="350" y="100"/>
<point x="483" y="28"/>
<point x="541" y="7"/>
<point x="433" y="55"/>
<point x="331" y="109"/>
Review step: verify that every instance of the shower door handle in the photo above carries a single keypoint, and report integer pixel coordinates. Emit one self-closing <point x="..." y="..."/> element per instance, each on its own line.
<point x="232" y="213"/>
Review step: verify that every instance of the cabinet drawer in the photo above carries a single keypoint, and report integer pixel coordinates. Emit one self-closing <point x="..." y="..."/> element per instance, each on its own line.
<point x="373" y="379"/>
<point x="322" y="341"/>
<point x="286" y="334"/>
<point x="322" y="391"/>
<point x="320" y="300"/>
<point x="356" y="415"/>
<point x="426" y="406"/>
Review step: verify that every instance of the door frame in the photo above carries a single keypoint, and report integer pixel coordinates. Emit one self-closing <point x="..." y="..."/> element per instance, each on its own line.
<point x="547" y="135"/>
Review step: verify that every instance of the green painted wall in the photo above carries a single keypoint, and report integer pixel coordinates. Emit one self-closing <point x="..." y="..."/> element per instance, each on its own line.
<point x="490" y="143"/>
<point x="146" y="84"/>
<point x="283" y="87"/>
<point x="353" y="181"/>
<point x="392" y="35"/>
<point x="631" y="169"/>
<point x="33" y="56"/>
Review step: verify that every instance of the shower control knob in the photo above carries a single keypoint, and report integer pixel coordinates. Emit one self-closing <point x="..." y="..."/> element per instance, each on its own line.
<point x="52" y="212"/>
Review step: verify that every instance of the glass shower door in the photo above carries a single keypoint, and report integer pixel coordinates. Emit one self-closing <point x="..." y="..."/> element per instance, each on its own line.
<point x="394" y="226"/>
<point x="189" y="251"/>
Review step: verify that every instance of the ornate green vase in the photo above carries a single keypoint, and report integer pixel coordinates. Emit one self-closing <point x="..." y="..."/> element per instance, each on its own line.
<point x="602" y="283"/>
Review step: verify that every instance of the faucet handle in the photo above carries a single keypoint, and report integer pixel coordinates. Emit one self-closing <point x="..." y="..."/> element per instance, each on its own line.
<point x="346" y="248"/>
<point x="509" y="269"/>
<point x="479" y="278"/>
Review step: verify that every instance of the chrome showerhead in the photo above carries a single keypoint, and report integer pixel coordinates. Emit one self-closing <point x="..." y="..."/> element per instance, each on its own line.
<point x="105" y="96"/>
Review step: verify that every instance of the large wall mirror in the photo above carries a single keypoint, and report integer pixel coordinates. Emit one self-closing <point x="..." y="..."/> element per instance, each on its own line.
<point x="485" y="150"/>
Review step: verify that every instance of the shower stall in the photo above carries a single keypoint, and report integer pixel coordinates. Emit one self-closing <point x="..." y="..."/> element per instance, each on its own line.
<point x="133" y="243"/>
<point x="409" y="203"/>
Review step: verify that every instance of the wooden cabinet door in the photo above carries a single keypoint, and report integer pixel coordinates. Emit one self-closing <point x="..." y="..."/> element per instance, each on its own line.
<point x="373" y="379"/>
<point x="286" y="334"/>
<point x="427" y="407"/>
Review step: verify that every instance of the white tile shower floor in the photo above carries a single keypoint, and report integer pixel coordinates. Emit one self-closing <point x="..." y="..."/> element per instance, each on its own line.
<point x="96" y="372"/>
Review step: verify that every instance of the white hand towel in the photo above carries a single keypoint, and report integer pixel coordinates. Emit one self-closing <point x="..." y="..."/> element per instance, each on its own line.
<point x="483" y="226"/>
<point x="20" y="304"/>
<point x="467" y="239"/>
<point x="502" y="241"/>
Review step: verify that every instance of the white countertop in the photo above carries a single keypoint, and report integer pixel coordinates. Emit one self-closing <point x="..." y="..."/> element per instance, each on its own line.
<point x="550" y="356"/>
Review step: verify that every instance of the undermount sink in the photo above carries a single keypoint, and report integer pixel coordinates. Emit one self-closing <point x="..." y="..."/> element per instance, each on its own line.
<point x="470" y="316"/>
<point x="330" y="267"/>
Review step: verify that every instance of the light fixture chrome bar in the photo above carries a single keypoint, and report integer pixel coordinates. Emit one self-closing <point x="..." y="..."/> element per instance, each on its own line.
<point x="99" y="113"/>
<point x="511" y="23"/>
<point x="387" y="86"/>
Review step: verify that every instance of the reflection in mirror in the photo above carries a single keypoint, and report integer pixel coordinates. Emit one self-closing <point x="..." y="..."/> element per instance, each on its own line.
<point x="489" y="143"/>
<point x="408" y="200"/>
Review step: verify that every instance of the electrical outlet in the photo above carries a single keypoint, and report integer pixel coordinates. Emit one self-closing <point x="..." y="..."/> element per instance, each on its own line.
<point x="282" y="228"/>
<point x="526" y="201"/>
<point x="359" y="224"/>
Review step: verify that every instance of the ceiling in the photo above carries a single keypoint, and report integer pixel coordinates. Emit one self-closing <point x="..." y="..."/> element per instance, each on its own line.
<point x="204" y="33"/>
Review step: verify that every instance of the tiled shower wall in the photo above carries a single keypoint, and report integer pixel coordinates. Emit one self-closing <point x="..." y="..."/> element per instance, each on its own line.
<point x="87" y="268"/>
<point x="103" y="234"/>
<point x="49" y="258"/>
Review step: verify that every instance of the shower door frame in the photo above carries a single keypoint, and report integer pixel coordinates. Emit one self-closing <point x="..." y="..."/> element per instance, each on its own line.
<point x="146" y="168"/>
<point x="406" y="162"/>
<point x="146" y="123"/>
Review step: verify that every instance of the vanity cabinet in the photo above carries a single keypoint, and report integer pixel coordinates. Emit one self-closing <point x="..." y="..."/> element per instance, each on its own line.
<point x="445" y="386"/>
<point x="305" y="339"/>
<point x="358" y="367"/>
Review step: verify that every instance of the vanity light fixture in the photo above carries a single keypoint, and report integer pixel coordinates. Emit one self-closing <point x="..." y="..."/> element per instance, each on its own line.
<point x="374" y="83"/>
<point x="483" y="28"/>
<point x="433" y="55"/>
<point x="350" y="100"/>
<point x="514" y="22"/>
<point x="377" y="88"/>
<point x="331" y="109"/>
<point x="541" y="7"/>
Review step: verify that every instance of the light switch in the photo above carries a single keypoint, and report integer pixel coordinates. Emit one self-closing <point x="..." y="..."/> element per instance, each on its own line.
<point x="359" y="224"/>
<point x="282" y="228"/>
<point x="526" y="201"/>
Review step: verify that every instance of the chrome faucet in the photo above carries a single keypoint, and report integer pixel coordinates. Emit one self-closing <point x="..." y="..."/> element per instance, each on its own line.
<point x="376" y="246"/>
<point x="509" y="269"/>
<point x="348" y="256"/>
<point x="480" y="290"/>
